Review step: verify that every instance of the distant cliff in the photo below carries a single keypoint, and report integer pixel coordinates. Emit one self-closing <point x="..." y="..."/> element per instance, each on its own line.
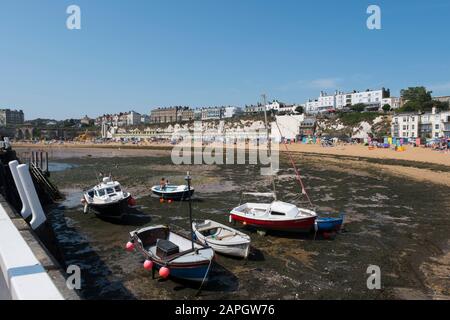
<point x="355" y="125"/>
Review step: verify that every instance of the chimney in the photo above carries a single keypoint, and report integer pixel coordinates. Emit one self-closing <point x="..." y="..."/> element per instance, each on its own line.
<point x="433" y="110"/>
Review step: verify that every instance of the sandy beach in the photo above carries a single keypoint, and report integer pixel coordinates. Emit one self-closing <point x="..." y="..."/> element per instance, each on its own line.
<point x="417" y="154"/>
<point x="418" y="163"/>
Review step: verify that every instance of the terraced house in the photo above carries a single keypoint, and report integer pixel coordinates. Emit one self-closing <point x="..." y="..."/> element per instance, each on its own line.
<point x="421" y="125"/>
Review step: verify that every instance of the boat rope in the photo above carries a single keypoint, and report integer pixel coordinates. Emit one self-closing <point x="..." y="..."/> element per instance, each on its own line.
<point x="297" y="173"/>
<point x="204" y="278"/>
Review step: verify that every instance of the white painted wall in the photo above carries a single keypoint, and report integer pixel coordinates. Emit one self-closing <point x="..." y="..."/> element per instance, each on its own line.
<point x="288" y="125"/>
<point x="22" y="277"/>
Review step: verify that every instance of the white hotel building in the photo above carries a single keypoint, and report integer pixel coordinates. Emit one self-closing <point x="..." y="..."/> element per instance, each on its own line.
<point x="425" y="125"/>
<point x="373" y="99"/>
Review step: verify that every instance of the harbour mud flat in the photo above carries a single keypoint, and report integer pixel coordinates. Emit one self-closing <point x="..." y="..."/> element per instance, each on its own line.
<point x="398" y="223"/>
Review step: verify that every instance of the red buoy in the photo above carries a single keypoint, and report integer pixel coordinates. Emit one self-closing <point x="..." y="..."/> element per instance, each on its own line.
<point x="129" y="246"/>
<point x="161" y="200"/>
<point x="148" y="265"/>
<point x="164" y="272"/>
<point x="169" y="201"/>
<point x="131" y="202"/>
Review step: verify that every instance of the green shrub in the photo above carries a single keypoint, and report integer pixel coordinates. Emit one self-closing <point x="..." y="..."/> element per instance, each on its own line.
<point x="352" y="119"/>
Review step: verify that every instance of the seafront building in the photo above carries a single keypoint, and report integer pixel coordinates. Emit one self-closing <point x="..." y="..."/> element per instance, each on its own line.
<point x="213" y="113"/>
<point x="163" y="115"/>
<point x="11" y="117"/>
<point x="281" y="107"/>
<point x="133" y="118"/>
<point x="254" y="109"/>
<point x="373" y="99"/>
<point x="421" y="125"/>
<point x="171" y="114"/>
<point x="183" y="114"/>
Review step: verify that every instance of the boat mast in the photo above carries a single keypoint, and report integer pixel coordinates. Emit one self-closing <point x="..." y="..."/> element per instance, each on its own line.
<point x="188" y="179"/>
<point x="269" y="144"/>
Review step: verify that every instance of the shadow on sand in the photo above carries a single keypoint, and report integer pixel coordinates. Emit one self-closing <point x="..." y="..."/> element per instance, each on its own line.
<point x="132" y="217"/>
<point x="220" y="280"/>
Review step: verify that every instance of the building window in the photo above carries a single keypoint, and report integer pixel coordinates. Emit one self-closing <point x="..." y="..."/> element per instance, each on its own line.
<point x="436" y="126"/>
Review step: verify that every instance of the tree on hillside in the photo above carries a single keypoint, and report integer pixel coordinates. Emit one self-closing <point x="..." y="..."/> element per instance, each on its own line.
<point x="299" y="110"/>
<point x="386" y="107"/>
<point x="359" y="107"/>
<point x="419" y="99"/>
<point x="419" y="94"/>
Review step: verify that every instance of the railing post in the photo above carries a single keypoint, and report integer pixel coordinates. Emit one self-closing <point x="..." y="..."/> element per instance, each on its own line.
<point x="46" y="161"/>
<point x="26" y="209"/>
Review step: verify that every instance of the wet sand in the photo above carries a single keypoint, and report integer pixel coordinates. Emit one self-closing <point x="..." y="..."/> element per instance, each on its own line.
<point x="392" y="220"/>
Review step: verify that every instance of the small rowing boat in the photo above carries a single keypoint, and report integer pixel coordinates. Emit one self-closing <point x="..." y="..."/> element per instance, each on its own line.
<point x="329" y="223"/>
<point x="173" y="192"/>
<point x="172" y="254"/>
<point x="222" y="239"/>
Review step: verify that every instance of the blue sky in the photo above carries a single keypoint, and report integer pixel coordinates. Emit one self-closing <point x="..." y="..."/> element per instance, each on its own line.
<point x="142" y="54"/>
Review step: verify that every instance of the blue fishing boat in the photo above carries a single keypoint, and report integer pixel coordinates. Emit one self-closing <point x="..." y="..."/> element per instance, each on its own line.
<point x="329" y="223"/>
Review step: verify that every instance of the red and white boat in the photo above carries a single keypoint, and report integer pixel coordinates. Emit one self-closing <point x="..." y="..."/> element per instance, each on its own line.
<point x="274" y="216"/>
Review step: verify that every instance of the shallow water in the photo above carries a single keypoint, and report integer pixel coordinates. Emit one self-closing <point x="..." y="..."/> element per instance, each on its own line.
<point x="59" y="166"/>
<point x="395" y="223"/>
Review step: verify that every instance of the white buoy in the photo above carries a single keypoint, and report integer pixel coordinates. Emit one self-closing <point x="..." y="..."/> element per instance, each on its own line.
<point x="26" y="210"/>
<point x="38" y="216"/>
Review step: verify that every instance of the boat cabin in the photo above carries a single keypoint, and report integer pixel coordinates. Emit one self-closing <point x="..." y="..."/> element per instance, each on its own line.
<point x="106" y="188"/>
<point x="278" y="208"/>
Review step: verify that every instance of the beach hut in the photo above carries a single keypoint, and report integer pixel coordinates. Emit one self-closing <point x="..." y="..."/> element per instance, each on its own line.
<point x="417" y="141"/>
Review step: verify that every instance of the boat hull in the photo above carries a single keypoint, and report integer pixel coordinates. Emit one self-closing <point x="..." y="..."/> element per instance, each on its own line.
<point x="239" y="250"/>
<point x="292" y="225"/>
<point x="182" y="195"/>
<point x="330" y="224"/>
<point x="186" y="272"/>
<point x="116" y="209"/>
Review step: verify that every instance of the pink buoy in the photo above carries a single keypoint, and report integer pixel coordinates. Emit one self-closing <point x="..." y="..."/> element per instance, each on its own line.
<point x="148" y="265"/>
<point x="129" y="246"/>
<point x="164" y="272"/>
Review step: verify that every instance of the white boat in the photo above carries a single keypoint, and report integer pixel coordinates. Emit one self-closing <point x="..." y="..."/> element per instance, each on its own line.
<point x="222" y="239"/>
<point x="107" y="198"/>
<point x="173" y="192"/>
<point x="277" y="215"/>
